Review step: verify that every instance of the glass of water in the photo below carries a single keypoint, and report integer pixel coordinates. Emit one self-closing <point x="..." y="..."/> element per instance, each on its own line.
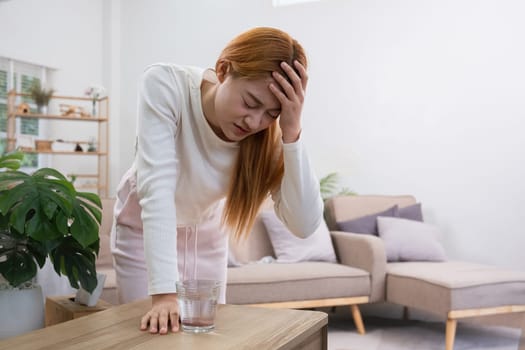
<point x="198" y="304"/>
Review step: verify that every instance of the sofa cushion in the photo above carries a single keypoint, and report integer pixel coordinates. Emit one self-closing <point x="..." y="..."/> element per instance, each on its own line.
<point x="440" y="287"/>
<point x="255" y="246"/>
<point x="366" y="224"/>
<point x="266" y="283"/>
<point x="289" y="248"/>
<point x="408" y="240"/>
<point x="412" y="212"/>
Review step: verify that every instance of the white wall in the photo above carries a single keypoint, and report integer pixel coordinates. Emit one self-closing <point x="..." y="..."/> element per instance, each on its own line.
<point x="412" y="96"/>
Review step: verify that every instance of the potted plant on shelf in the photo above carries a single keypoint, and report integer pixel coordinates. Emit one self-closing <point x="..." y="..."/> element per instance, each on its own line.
<point x="41" y="96"/>
<point x="43" y="216"/>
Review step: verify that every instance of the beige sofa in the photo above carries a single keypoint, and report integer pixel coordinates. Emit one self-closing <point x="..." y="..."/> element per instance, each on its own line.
<point x="308" y="284"/>
<point x="451" y="289"/>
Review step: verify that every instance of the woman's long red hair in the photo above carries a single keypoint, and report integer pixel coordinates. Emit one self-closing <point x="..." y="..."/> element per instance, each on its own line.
<point x="259" y="167"/>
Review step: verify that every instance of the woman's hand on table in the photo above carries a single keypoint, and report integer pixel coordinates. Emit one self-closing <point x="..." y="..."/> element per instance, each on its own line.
<point x="164" y="312"/>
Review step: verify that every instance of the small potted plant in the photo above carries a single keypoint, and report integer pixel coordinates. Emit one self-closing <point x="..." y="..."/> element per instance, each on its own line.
<point x="43" y="216"/>
<point x="329" y="187"/>
<point x="41" y="96"/>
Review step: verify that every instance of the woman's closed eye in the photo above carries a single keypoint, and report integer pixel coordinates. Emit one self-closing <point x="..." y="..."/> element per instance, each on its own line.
<point x="273" y="115"/>
<point x="250" y="105"/>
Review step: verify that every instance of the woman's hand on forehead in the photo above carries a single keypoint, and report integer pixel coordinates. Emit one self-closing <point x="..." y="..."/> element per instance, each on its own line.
<point x="291" y="96"/>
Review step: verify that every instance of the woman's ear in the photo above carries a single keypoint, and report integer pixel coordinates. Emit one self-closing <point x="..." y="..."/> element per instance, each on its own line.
<point x="223" y="67"/>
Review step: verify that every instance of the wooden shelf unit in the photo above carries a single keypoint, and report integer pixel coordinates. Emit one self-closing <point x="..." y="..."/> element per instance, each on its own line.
<point x="101" y="173"/>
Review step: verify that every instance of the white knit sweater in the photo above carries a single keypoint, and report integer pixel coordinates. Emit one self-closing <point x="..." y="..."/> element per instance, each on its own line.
<point x="183" y="170"/>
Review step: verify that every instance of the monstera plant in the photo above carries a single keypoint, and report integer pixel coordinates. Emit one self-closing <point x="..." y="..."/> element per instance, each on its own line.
<point x="43" y="216"/>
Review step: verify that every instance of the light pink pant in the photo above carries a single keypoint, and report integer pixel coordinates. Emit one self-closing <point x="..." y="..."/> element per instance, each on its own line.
<point x="127" y="246"/>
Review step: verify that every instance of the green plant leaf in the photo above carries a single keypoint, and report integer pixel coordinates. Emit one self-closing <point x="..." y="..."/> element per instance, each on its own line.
<point x="19" y="268"/>
<point x="76" y="262"/>
<point x="91" y="197"/>
<point x="62" y="224"/>
<point x="11" y="160"/>
<point x="84" y="228"/>
<point x="39" y="250"/>
<point x="9" y="179"/>
<point x="40" y="228"/>
<point x="329" y="187"/>
<point x="95" y="210"/>
<point x="49" y="172"/>
<point x="21" y="213"/>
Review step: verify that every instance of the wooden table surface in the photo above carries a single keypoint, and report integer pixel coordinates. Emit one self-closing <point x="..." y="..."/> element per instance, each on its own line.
<point x="236" y="327"/>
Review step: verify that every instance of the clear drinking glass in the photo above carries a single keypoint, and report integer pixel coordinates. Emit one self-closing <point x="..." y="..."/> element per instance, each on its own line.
<point x="197" y="304"/>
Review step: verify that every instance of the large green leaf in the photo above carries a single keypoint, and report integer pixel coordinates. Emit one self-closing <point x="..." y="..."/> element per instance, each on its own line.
<point x="40" y="250"/>
<point x="8" y="245"/>
<point x="11" y="160"/>
<point x="40" y="228"/>
<point x="19" y="268"/>
<point x="91" y="202"/>
<point x="77" y="263"/>
<point x="84" y="228"/>
<point x="49" y="172"/>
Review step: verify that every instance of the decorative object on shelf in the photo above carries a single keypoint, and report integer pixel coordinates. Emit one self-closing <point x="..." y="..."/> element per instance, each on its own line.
<point x="92" y="145"/>
<point x="23" y="108"/>
<point x="95" y="92"/>
<point x="41" y="96"/>
<point x="25" y="142"/>
<point x="78" y="148"/>
<point x="42" y="216"/>
<point x="43" y="145"/>
<point x="73" y="111"/>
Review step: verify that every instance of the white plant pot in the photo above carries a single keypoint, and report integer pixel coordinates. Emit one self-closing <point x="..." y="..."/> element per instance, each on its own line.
<point x="90" y="299"/>
<point x="22" y="311"/>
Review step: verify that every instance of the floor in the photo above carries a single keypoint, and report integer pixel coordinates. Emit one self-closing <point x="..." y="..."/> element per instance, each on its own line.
<point x="389" y="334"/>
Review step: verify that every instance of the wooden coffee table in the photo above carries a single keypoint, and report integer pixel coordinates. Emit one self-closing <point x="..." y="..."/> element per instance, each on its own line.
<point x="236" y="327"/>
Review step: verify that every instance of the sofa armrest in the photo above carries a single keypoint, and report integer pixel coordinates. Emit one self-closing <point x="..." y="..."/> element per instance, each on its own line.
<point x="365" y="252"/>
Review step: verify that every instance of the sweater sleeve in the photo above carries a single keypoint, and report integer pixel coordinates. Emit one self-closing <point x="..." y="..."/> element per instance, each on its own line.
<point x="156" y="172"/>
<point x="298" y="203"/>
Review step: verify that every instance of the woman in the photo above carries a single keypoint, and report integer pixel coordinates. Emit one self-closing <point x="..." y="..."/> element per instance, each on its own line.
<point x="205" y="136"/>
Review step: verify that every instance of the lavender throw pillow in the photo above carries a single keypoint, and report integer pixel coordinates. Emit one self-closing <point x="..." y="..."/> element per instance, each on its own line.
<point x="412" y="212"/>
<point x="409" y="240"/>
<point x="289" y="248"/>
<point x="366" y="224"/>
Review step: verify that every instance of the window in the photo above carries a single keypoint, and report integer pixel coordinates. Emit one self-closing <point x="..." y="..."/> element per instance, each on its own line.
<point x="3" y="109"/>
<point x="19" y="76"/>
<point x="278" y="3"/>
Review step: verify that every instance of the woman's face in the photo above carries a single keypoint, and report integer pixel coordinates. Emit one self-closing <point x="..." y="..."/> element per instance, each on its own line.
<point x="244" y="107"/>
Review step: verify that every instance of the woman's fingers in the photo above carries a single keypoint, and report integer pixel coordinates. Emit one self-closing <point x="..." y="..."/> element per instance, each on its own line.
<point x="163" y="322"/>
<point x="164" y="311"/>
<point x="144" y="321"/>
<point x="290" y="93"/>
<point x="302" y="72"/>
<point x="174" y="319"/>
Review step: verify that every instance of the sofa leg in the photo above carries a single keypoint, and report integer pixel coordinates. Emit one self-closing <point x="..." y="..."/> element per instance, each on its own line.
<point x="406" y="313"/>
<point x="356" y="314"/>
<point x="450" y="333"/>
